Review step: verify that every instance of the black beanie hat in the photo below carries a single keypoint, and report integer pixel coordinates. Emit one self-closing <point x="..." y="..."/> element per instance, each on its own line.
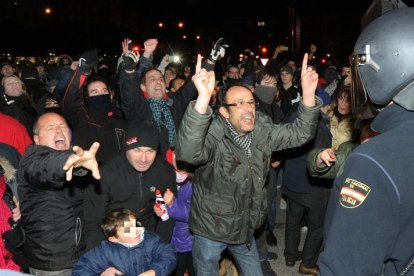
<point x="142" y="134"/>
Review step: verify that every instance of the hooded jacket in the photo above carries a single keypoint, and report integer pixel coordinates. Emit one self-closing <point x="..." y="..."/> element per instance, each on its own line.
<point x="7" y="175"/>
<point x="152" y="253"/>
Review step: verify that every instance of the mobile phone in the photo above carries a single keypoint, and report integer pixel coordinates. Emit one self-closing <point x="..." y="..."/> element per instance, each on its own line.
<point x="284" y="48"/>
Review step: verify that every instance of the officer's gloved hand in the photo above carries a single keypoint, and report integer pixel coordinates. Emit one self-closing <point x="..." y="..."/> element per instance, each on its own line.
<point x="130" y="60"/>
<point x="88" y="60"/>
<point x="218" y="51"/>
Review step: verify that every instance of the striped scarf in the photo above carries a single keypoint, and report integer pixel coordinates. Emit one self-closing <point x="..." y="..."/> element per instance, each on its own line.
<point x="159" y="108"/>
<point x="242" y="140"/>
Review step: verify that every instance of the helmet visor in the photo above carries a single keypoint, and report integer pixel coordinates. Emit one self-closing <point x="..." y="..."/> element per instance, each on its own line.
<point x="358" y="92"/>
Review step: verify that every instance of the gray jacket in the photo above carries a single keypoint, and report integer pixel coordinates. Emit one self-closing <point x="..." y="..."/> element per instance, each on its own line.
<point x="229" y="198"/>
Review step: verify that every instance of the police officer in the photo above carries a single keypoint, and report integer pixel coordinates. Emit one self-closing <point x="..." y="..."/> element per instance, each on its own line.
<point x="370" y="220"/>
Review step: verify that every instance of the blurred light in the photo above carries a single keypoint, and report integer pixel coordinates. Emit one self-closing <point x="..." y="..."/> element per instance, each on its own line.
<point x="48" y="10"/>
<point x="241" y="56"/>
<point x="328" y="55"/>
<point x="175" y="59"/>
<point x="198" y="37"/>
<point x="263" y="50"/>
<point x="160" y="24"/>
<point x="184" y="37"/>
<point x="323" y="60"/>
<point x="261" y="23"/>
<point x="135" y="48"/>
<point x="257" y="57"/>
<point x="264" y="61"/>
<point x="180" y="25"/>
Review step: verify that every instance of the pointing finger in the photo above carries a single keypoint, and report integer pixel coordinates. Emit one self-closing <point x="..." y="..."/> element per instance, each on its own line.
<point x="198" y="66"/>
<point x="304" y="64"/>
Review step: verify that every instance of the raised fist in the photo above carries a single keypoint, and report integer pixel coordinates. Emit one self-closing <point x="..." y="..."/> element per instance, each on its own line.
<point x="218" y="50"/>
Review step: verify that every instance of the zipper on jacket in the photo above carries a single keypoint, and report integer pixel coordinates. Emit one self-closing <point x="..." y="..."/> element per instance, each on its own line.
<point x="78" y="231"/>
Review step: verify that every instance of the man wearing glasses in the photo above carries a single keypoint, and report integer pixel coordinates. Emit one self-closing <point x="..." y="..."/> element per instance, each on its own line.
<point x="233" y="153"/>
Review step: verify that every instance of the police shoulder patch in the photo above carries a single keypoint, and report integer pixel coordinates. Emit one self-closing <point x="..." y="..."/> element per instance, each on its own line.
<point x="353" y="193"/>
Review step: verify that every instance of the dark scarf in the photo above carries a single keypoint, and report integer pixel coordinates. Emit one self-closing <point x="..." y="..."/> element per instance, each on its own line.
<point x="160" y="107"/>
<point x="244" y="141"/>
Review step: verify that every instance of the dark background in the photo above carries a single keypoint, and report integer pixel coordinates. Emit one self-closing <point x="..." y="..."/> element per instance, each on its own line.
<point x="74" y="26"/>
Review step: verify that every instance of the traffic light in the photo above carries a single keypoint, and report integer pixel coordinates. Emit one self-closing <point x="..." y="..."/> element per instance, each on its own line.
<point x="263" y="50"/>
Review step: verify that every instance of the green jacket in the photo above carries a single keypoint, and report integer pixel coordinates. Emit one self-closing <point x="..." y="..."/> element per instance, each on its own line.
<point x="336" y="168"/>
<point x="229" y="196"/>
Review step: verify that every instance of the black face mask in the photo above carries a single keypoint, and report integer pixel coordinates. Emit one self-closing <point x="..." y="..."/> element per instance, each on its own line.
<point x="230" y="82"/>
<point x="101" y="103"/>
<point x="265" y="93"/>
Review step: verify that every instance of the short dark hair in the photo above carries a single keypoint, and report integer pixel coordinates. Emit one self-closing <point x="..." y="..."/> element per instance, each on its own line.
<point x="266" y="72"/>
<point x="115" y="219"/>
<point x="174" y="80"/>
<point x="95" y="78"/>
<point x="143" y="80"/>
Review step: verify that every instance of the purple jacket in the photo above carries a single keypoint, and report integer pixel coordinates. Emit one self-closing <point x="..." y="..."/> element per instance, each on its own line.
<point x="182" y="239"/>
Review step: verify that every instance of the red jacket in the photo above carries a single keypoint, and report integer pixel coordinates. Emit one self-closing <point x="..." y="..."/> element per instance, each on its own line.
<point x="14" y="133"/>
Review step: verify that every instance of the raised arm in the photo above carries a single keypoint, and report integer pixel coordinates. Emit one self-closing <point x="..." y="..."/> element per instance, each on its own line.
<point x="309" y="81"/>
<point x="83" y="158"/>
<point x="73" y="104"/>
<point x="204" y="81"/>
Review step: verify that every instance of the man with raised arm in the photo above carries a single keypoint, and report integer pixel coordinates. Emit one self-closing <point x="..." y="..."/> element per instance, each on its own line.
<point x="233" y="152"/>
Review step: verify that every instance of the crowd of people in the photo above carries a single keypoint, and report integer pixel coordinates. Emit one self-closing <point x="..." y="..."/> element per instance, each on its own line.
<point x="85" y="146"/>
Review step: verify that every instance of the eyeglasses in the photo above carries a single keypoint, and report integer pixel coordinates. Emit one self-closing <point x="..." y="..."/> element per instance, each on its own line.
<point x="240" y="104"/>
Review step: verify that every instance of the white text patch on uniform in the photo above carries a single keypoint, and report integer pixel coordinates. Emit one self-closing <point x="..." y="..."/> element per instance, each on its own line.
<point x="353" y="193"/>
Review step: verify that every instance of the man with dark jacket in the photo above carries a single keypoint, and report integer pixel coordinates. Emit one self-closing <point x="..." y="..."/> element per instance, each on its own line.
<point x="144" y="95"/>
<point x="369" y="221"/>
<point x="50" y="203"/>
<point x="306" y="196"/>
<point x="129" y="180"/>
<point x="233" y="151"/>
<point x="87" y="106"/>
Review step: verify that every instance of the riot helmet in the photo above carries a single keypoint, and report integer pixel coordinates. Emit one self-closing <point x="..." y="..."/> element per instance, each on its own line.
<point x="383" y="60"/>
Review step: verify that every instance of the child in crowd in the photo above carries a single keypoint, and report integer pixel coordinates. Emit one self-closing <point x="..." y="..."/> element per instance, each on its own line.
<point x="179" y="209"/>
<point x="129" y="250"/>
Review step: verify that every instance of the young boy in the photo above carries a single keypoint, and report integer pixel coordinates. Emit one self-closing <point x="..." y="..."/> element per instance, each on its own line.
<point x="129" y="250"/>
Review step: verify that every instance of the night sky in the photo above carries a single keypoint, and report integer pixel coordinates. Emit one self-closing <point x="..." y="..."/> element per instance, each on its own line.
<point x="74" y="26"/>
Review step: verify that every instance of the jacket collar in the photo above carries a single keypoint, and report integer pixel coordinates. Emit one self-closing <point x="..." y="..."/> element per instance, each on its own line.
<point x="391" y="117"/>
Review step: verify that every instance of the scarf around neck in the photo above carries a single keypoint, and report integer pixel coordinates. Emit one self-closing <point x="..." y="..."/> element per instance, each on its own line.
<point x="244" y="141"/>
<point x="160" y="108"/>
